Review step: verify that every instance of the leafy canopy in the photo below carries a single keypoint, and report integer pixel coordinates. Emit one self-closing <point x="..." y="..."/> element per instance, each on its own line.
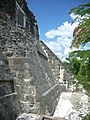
<point x="79" y="61"/>
<point x="82" y="32"/>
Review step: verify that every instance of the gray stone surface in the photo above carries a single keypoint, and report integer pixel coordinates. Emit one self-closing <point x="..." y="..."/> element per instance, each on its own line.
<point x="25" y="116"/>
<point x="8" y="101"/>
<point x="53" y="60"/>
<point x="34" y="83"/>
<point x="14" y="41"/>
<point x="8" y="108"/>
<point x="29" y="73"/>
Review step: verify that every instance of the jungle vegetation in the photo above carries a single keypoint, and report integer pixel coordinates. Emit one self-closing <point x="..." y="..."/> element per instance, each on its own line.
<point x="78" y="61"/>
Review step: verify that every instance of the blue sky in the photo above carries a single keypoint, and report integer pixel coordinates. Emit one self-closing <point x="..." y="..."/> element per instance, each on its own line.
<point x="55" y="23"/>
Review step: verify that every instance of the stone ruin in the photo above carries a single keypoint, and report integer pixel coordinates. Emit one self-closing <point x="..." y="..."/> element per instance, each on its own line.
<point x="30" y="73"/>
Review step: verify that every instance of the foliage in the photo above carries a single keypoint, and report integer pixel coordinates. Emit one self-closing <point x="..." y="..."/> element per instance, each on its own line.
<point x="73" y="65"/>
<point x="78" y="61"/>
<point x="87" y="117"/>
<point x="81" y="10"/>
<point x="79" y="64"/>
<point x="82" y="32"/>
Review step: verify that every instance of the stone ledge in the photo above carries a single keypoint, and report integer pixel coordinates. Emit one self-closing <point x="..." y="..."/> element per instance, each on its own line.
<point x="26" y="116"/>
<point x="9" y="95"/>
<point x="49" y="90"/>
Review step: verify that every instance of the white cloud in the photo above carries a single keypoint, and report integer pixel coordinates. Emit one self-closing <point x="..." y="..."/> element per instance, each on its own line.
<point x="60" y="39"/>
<point x="64" y="30"/>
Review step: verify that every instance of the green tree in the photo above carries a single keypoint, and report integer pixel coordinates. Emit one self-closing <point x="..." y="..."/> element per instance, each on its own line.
<point x="79" y="65"/>
<point x="79" y="61"/>
<point x="83" y="30"/>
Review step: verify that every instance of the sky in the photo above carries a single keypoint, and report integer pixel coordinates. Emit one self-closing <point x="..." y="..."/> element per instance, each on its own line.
<point x="55" y="24"/>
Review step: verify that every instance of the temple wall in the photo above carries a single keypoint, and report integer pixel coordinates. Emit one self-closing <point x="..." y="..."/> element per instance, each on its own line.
<point x="30" y="72"/>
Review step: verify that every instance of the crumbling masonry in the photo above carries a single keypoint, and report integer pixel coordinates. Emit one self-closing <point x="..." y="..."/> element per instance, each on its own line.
<point x="30" y="72"/>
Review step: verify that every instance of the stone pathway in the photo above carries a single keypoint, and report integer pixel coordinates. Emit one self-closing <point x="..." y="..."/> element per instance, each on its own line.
<point x="72" y="106"/>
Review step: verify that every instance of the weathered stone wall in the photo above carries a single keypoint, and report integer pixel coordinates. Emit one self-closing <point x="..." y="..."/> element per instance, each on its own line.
<point x="58" y="68"/>
<point x="8" y="7"/>
<point x="35" y="83"/>
<point x="14" y="41"/>
<point x="18" y="12"/>
<point x="29" y="80"/>
<point x="8" y="99"/>
<point x="54" y="61"/>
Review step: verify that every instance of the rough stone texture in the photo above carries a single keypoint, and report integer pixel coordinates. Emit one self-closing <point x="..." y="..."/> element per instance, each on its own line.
<point x="59" y="70"/>
<point x="55" y="63"/>
<point x="30" y="73"/>
<point x="25" y="116"/>
<point x="8" y="8"/>
<point x="8" y="108"/>
<point x="35" y="83"/>
<point x="8" y="100"/>
<point x="16" y="11"/>
<point x="13" y="40"/>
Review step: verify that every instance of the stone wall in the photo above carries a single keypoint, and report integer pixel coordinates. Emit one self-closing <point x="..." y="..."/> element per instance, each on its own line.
<point x="8" y="7"/>
<point x="55" y="63"/>
<point x="35" y="84"/>
<point x="34" y="81"/>
<point x="58" y="68"/>
<point x="14" y="41"/>
<point x="18" y="12"/>
<point x="29" y="73"/>
<point x="9" y="105"/>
